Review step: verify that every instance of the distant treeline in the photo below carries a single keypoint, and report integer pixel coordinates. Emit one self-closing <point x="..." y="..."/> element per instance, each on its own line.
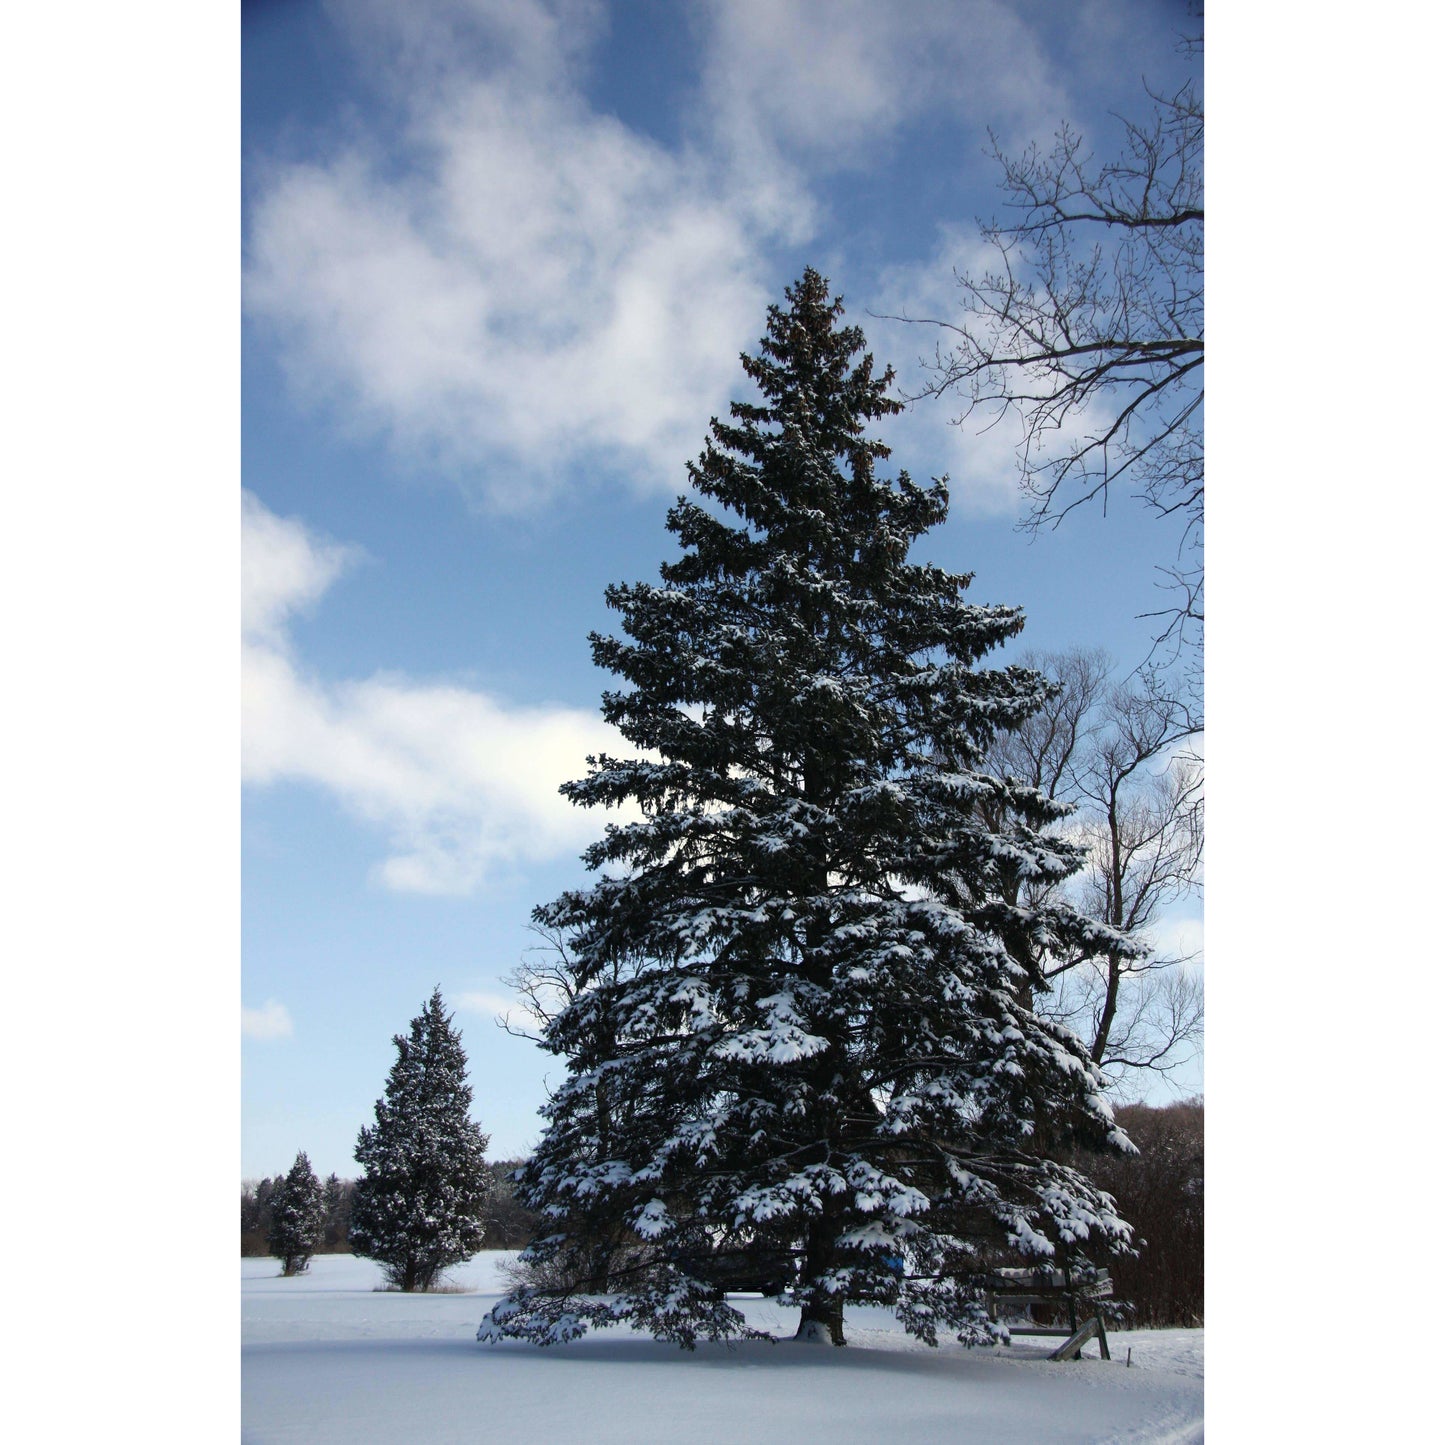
<point x="1161" y="1193"/>
<point x="509" y="1226"/>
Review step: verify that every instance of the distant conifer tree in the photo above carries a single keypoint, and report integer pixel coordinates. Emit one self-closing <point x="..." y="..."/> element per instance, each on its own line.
<point x="297" y="1214"/>
<point x="420" y="1203"/>
<point x="802" y="1047"/>
<point x="336" y="1209"/>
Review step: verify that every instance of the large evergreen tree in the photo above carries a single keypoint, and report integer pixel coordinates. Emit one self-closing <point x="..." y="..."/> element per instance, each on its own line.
<point x="803" y="1048"/>
<point x="297" y="1214"/>
<point x="419" y="1206"/>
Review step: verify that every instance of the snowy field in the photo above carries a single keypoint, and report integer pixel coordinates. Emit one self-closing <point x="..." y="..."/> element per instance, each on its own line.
<point x="327" y="1357"/>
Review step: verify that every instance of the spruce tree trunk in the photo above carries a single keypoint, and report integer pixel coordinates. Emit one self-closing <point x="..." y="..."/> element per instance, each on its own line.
<point x="822" y="1317"/>
<point x="822" y="1324"/>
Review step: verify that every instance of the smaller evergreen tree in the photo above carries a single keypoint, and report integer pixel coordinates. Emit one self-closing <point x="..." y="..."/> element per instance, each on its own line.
<point x="297" y="1214"/>
<point x="420" y="1204"/>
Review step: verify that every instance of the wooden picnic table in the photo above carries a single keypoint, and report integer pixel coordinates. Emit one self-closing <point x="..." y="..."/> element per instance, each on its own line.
<point x="1030" y="1287"/>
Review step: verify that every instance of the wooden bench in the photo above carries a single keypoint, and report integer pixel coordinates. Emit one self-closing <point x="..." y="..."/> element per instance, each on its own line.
<point x="1030" y="1287"/>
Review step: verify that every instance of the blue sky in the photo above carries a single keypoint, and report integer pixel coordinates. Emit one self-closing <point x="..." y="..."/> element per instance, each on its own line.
<point x="499" y="261"/>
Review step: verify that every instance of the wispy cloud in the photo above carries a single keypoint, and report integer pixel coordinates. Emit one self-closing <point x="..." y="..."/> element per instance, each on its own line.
<point x="270" y="1021"/>
<point x="829" y="85"/>
<point x="489" y="1005"/>
<point x="461" y="783"/>
<point x="521" y="289"/>
<point x="979" y="454"/>
<point x="1179" y="935"/>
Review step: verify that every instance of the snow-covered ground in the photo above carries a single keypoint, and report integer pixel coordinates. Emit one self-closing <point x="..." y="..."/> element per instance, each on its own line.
<point x="327" y="1357"/>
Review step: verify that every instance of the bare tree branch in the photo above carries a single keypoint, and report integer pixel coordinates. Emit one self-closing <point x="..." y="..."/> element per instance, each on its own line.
<point x="546" y="981"/>
<point x="1090" y="328"/>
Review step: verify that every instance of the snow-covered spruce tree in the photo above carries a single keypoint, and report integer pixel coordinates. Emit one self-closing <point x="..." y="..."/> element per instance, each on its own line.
<point x="297" y="1214"/>
<point x="421" y="1200"/>
<point x="801" y="1052"/>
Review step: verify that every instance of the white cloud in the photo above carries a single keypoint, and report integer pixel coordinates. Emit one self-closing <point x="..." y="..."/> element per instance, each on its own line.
<point x="284" y="569"/>
<point x="524" y="291"/>
<point x="544" y="285"/>
<point x="270" y="1021"/>
<point x="462" y="783"/>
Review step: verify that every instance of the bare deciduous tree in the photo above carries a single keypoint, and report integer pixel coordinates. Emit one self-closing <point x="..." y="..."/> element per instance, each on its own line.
<point x="1089" y="327"/>
<point x="1043" y="749"/>
<point x="1145" y="835"/>
<point x="1119" y="755"/>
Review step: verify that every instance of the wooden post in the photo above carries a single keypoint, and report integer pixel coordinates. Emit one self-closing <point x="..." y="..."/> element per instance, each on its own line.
<point x="1073" y="1347"/>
